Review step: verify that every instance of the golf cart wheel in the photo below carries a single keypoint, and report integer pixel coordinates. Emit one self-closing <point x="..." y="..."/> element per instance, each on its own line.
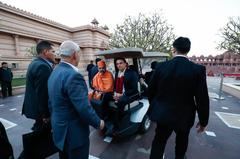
<point x="145" y="124"/>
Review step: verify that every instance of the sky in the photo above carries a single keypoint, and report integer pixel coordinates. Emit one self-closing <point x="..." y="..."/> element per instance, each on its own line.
<point x="199" y="20"/>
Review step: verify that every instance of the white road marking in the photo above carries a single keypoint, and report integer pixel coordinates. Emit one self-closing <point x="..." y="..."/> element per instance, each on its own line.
<point x="210" y="133"/>
<point x="92" y="157"/>
<point x="92" y="132"/>
<point x="13" y="109"/>
<point x="7" y="124"/>
<point x="226" y="108"/>
<point x="1" y="105"/>
<point x="19" y="96"/>
<point x="213" y="95"/>
<point x="107" y="139"/>
<point x="229" y="119"/>
<point x="214" y="100"/>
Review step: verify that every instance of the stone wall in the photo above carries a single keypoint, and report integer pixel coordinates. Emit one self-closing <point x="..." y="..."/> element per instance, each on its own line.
<point x="21" y="30"/>
<point x="228" y="63"/>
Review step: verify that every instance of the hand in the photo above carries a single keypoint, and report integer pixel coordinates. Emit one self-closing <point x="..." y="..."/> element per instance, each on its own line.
<point x="141" y="80"/>
<point x="46" y="120"/>
<point x="102" y="125"/>
<point x="117" y="96"/>
<point x="200" y="128"/>
<point x="143" y="83"/>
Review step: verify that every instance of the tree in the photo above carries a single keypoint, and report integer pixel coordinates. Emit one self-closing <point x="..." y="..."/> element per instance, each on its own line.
<point x="151" y="33"/>
<point x="231" y="36"/>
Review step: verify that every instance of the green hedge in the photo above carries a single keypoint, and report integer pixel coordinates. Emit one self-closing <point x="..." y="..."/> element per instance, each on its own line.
<point x="18" y="82"/>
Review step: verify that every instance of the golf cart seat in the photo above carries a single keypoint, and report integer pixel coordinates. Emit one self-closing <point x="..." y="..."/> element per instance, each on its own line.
<point x="134" y="103"/>
<point x="132" y="106"/>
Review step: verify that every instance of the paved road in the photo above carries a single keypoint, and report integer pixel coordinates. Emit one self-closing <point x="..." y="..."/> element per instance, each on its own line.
<point x="220" y="142"/>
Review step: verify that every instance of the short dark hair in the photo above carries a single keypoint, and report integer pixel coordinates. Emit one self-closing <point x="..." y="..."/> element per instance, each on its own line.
<point x="3" y="63"/>
<point x="97" y="59"/>
<point x="154" y="64"/>
<point x="42" y="45"/>
<point x="120" y="58"/>
<point x="182" y="45"/>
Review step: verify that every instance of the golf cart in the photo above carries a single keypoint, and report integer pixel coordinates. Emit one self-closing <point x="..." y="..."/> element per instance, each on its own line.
<point x="135" y="117"/>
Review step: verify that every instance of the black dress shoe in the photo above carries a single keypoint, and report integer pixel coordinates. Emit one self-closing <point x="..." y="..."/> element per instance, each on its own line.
<point x="109" y="130"/>
<point x="21" y="156"/>
<point x="185" y="157"/>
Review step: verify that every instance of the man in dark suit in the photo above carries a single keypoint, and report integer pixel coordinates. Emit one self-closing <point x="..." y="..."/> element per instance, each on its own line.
<point x="176" y="91"/>
<point x="71" y="113"/>
<point x="35" y="104"/>
<point x="89" y="67"/>
<point x="6" y="77"/>
<point x="126" y="86"/>
<point x="93" y="71"/>
<point x="148" y="75"/>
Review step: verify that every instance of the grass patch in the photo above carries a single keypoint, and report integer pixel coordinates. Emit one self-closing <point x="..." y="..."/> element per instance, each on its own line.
<point x="18" y="82"/>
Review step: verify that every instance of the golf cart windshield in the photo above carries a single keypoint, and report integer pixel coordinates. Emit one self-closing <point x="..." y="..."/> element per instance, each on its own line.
<point x="135" y="57"/>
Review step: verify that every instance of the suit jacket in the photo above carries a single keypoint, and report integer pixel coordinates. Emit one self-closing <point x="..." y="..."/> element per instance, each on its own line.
<point x="35" y="104"/>
<point x="6" y="75"/>
<point x="5" y="147"/>
<point x="71" y="113"/>
<point x="93" y="71"/>
<point x="148" y="76"/>
<point x="89" y="67"/>
<point x="176" y="91"/>
<point x="130" y="82"/>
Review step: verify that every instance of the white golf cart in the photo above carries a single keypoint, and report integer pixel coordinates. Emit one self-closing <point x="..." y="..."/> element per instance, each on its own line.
<point x="135" y="117"/>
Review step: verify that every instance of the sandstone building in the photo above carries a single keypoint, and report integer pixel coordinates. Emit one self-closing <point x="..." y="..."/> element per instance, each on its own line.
<point x="227" y="63"/>
<point x="21" y="30"/>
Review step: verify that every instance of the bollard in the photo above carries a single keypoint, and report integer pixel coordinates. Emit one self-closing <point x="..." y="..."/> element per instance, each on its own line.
<point x="220" y="88"/>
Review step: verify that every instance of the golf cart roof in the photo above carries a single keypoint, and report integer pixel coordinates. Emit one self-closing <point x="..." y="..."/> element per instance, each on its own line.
<point x="121" y="52"/>
<point x="155" y="54"/>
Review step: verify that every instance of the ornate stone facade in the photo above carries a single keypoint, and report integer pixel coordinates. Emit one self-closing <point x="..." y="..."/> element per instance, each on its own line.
<point x="228" y="63"/>
<point x="21" y="30"/>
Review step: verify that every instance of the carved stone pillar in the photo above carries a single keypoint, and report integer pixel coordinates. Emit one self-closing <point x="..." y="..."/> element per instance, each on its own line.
<point x="16" y="41"/>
